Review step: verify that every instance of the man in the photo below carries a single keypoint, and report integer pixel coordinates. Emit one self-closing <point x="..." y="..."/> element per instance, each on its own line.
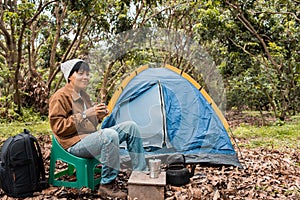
<point x="74" y="120"/>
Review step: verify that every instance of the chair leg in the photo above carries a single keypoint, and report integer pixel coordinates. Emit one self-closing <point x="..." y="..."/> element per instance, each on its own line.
<point x="51" y="169"/>
<point x="93" y="181"/>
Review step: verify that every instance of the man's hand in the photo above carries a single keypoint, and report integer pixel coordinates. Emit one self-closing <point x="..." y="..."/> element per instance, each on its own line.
<point x="99" y="110"/>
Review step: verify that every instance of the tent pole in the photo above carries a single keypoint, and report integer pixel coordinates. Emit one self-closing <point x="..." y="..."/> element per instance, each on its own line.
<point x="238" y="147"/>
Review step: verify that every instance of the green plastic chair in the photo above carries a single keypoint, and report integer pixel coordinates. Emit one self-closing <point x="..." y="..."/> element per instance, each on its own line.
<point x="84" y="169"/>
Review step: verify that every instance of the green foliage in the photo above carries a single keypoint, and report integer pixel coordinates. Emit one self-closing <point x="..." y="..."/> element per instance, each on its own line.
<point x="258" y="51"/>
<point x="27" y="115"/>
<point x="253" y="88"/>
<point x="255" y="45"/>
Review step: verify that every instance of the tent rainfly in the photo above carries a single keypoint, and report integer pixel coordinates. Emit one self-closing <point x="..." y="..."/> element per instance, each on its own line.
<point x="174" y="114"/>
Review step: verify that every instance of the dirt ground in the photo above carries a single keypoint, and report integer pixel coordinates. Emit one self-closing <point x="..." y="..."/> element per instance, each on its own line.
<point x="267" y="174"/>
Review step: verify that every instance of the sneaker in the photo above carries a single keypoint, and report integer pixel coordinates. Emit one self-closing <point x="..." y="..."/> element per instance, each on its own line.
<point x="109" y="190"/>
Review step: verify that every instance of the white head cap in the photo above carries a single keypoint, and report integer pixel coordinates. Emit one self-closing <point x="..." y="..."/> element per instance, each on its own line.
<point x="67" y="67"/>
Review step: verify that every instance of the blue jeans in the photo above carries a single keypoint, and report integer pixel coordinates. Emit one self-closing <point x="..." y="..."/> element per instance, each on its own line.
<point x="104" y="145"/>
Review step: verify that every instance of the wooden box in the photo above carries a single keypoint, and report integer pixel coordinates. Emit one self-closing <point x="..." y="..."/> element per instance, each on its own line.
<point x="141" y="186"/>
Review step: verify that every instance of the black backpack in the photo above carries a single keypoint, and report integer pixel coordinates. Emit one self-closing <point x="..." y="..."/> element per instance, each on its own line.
<point x="22" y="169"/>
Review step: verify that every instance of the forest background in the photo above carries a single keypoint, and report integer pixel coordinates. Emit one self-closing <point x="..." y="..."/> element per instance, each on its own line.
<point x="254" y="45"/>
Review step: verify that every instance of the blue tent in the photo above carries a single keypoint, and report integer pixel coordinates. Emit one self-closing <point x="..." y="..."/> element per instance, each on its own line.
<point x="174" y="114"/>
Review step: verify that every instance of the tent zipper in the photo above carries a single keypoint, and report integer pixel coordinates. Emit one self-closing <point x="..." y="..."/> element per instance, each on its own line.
<point x="162" y="106"/>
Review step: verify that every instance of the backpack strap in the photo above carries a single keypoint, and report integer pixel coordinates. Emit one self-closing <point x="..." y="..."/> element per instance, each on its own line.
<point x="41" y="167"/>
<point x="4" y="151"/>
<point x="28" y="138"/>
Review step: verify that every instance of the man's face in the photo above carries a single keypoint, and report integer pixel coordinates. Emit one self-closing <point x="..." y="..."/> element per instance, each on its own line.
<point x="80" y="79"/>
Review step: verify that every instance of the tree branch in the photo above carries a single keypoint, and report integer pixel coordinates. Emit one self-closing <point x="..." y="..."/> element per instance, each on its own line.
<point x="2" y="46"/>
<point x="2" y="54"/>
<point x="54" y="69"/>
<point x="154" y="14"/>
<point x="252" y="30"/>
<point x="5" y="33"/>
<point x="40" y="9"/>
<point x="246" y="51"/>
<point x="280" y="13"/>
<point x="139" y="9"/>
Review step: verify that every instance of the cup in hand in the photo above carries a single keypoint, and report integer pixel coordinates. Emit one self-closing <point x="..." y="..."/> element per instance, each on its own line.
<point x="103" y="107"/>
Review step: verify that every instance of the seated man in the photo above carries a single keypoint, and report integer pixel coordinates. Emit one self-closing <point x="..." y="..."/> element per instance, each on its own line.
<point x="74" y="121"/>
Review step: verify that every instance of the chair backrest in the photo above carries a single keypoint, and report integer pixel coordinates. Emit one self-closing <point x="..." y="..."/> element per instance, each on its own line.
<point x="55" y="143"/>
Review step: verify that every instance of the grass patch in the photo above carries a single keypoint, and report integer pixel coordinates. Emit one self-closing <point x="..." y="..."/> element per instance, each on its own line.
<point x="274" y="136"/>
<point x="277" y="135"/>
<point x="36" y="128"/>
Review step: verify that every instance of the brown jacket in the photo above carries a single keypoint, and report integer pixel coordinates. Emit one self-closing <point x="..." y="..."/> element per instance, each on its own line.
<point x="67" y="124"/>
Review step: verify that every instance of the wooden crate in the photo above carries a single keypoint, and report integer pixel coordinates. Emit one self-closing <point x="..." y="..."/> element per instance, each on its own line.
<point x="141" y="186"/>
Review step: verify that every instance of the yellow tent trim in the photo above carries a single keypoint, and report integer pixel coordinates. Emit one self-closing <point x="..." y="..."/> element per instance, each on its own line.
<point x="203" y="92"/>
<point x="123" y="84"/>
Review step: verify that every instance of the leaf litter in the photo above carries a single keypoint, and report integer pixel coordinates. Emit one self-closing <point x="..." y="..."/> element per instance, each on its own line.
<point x="267" y="174"/>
